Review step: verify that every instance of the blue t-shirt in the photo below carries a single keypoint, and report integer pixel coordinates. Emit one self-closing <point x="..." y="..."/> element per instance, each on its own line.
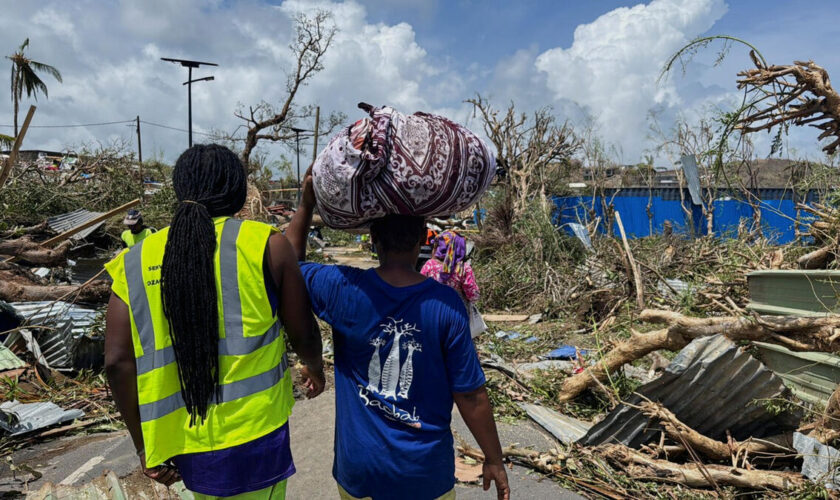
<point x="400" y="353"/>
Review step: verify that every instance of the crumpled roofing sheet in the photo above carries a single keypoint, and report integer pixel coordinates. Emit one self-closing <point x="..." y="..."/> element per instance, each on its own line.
<point x="712" y="386"/>
<point x="67" y="324"/>
<point x="66" y="222"/>
<point x="18" y="418"/>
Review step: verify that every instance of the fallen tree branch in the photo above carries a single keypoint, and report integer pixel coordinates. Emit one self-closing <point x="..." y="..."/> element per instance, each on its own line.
<point x="545" y="463"/>
<point x="808" y="334"/>
<point x="710" y="448"/>
<point x="26" y="249"/>
<point x="641" y="466"/>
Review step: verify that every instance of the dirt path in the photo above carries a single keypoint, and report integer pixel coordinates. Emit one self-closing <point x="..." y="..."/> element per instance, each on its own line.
<point x="351" y="256"/>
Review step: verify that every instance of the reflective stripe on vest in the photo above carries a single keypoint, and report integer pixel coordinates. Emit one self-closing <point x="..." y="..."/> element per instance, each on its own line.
<point x="234" y="342"/>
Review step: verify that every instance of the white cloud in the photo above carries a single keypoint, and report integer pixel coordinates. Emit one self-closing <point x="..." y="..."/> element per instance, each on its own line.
<point x="109" y="55"/>
<point x="613" y="63"/>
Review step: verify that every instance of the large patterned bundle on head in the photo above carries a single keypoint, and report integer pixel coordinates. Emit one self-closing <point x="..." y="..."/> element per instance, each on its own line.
<point x="392" y="163"/>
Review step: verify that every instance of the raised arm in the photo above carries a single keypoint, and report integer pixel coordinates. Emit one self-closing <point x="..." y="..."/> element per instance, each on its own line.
<point x="296" y="312"/>
<point x="298" y="229"/>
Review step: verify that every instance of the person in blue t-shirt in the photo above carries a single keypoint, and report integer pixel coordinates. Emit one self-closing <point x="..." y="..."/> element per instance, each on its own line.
<point x="403" y="355"/>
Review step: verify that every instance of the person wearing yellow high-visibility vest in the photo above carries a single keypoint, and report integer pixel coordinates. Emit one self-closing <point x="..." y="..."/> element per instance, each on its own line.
<point x="136" y="231"/>
<point x="195" y="341"/>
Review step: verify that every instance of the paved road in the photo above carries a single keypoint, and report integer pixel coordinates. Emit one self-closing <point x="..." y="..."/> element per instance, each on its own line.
<point x="312" y="425"/>
<point x="78" y="460"/>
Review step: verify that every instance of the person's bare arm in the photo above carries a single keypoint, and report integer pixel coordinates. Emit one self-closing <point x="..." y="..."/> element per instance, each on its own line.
<point x="477" y="413"/>
<point x="296" y="312"/>
<point x="298" y="229"/>
<point x="121" y="370"/>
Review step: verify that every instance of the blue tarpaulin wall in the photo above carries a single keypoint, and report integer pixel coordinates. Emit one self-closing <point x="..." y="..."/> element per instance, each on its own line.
<point x="778" y="212"/>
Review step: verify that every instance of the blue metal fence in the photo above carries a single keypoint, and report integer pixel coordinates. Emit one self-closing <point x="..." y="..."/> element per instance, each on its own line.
<point x="778" y="211"/>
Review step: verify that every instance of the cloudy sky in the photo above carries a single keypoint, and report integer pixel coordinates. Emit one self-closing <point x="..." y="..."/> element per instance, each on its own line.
<point x="597" y="59"/>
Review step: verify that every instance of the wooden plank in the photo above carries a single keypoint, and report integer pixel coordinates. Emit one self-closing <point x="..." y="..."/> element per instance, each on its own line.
<point x="505" y="318"/>
<point x="13" y="154"/>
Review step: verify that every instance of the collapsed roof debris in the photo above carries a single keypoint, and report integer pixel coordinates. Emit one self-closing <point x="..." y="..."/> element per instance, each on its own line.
<point x="18" y="418"/>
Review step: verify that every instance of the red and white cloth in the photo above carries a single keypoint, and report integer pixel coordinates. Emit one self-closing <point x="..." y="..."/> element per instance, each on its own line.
<point x="392" y="163"/>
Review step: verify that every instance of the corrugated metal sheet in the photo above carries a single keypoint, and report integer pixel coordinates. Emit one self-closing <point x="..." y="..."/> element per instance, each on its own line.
<point x="69" y="326"/>
<point x="66" y="222"/>
<point x="110" y="487"/>
<point x="794" y="292"/>
<point x="565" y="429"/>
<point x="8" y="360"/>
<point x="777" y="207"/>
<point x="18" y="418"/>
<point x="812" y="376"/>
<point x="712" y="386"/>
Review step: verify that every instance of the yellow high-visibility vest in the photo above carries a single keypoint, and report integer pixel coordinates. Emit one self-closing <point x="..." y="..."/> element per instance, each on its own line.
<point x="132" y="239"/>
<point x="255" y="384"/>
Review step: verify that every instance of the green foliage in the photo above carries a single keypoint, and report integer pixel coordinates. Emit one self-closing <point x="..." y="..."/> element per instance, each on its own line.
<point x="525" y="270"/>
<point x="101" y="179"/>
<point x="338" y="238"/>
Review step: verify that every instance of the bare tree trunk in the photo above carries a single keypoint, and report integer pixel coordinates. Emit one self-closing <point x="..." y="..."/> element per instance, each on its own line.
<point x="29" y="251"/>
<point x="96" y="292"/>
<point x="15" y="82"/>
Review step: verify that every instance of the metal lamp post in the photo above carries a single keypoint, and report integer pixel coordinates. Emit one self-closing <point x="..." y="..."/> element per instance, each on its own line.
<point x="190" y="65"/>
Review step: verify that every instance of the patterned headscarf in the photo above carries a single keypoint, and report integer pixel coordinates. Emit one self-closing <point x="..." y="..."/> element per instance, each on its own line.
<point x="451" y="248"/>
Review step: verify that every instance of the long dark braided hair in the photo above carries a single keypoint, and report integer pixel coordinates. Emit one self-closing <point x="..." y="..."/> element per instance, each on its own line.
<point x="209" y="181"/>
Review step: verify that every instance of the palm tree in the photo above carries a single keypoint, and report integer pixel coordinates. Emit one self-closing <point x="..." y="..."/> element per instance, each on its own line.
<point x="25" y="77"/>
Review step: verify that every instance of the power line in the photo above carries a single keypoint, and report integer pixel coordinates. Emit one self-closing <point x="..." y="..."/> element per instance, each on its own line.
<point x="176" y="128"/>
<point x="75" y="125"/>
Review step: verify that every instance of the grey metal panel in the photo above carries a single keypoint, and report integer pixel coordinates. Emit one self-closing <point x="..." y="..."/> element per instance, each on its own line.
<point x="712" y="386"/>
<point x="692" y="178"/>
<point x="796" y="292"/>
<point x="65" y="222"/>
<point x="19" y="418"/>
<point x="812" y="376"/>
<point x="820" y="463"/>
<point x="68" y="323"/>
<point x="566" y="429"/>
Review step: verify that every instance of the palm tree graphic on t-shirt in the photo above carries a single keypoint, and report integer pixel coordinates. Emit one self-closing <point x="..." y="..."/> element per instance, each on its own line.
<point x="391" y="369"/>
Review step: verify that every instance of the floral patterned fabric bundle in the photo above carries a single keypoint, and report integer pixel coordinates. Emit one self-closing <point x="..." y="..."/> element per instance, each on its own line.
<point x="392" y="163"/>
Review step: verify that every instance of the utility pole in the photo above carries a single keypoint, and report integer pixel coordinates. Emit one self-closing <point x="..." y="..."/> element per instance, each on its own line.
<point x="139" y="145"/>
<point x="140" y="160"/>
<point x="190" y="65"/>
<point x="297" y="132"/>
<point x="317" y="122"/>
